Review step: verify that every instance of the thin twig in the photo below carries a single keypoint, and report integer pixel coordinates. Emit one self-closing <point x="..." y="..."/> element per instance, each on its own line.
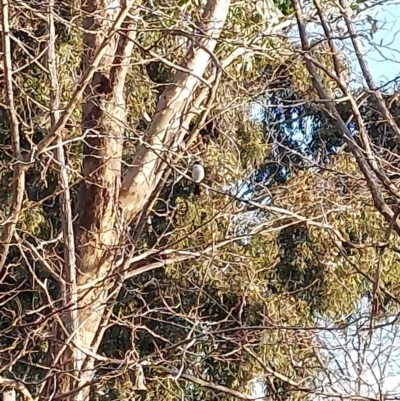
<point x="87" y="76"/>
<point x="18" y="180"/>
<point x="70" y="292"/>
<point x="361" y="158"/>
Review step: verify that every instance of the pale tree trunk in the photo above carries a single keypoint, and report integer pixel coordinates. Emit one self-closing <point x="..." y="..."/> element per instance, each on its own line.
<point x="103" y="204"/>
<point x="9" y="389"/>
<point x="141" y="179"/>
<point x="9" y="395"/>
<point x="103" y="125"/>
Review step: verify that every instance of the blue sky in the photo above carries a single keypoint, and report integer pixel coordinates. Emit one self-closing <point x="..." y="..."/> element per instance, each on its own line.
<point x="383" y="56"/>
<point x="384" y="59"/>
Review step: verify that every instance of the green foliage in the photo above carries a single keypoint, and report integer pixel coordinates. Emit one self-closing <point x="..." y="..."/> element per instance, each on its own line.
<point x="254" y="276"/>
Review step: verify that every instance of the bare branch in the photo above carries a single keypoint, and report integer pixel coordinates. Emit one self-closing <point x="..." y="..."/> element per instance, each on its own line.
<point x="18" y="181"/>
<point x="341" y="125"/>
<point x="366" y="72"/>
<point x="70" y="290"/>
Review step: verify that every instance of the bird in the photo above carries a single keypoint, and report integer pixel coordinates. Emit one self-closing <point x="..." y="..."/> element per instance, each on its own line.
<point x="197" y="176"/>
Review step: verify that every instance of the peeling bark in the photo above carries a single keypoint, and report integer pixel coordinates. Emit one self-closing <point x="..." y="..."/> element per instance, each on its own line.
<point x="104" y="114"/>
<point x="141" y="179"/>
<point x="101" y="203"/>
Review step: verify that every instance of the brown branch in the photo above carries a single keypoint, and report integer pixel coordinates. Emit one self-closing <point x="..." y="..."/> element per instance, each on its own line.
<point x="327" y="31"/>
<point x="177" y="256"/>
<point x="85" y="80"/>
<point x="18" y="180"/>
<point x="73" y="353"/>
<point x="362" y="162"/>
<point x="65" y="195"/>
<point x="376" y="281"/>
<point x="208" y="384"/>
<point x="377" y="95"/>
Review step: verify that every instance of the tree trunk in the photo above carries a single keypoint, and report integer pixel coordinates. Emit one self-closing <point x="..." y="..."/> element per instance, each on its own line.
<point x="102" y="207"/>
<point x="104" y="114"/>
<point x="9" y="395"/>
<point x="141" y="179"/>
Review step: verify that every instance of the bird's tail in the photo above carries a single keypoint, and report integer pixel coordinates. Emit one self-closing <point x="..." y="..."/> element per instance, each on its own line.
<point x="196" y="190"/>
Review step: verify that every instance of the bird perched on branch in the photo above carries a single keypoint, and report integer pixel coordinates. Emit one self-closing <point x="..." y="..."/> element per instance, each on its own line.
<point x="198" y="176"/>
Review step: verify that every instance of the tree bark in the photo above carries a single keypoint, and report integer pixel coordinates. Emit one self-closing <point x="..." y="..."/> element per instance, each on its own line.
<point x="102" y="206"/>
<point x="9" y="395"/>
<point x="141" y="179"/>
<point x="103" y="116"/>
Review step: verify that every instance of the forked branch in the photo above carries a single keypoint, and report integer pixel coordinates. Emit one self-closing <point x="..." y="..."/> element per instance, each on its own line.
<point x="342" y="128"/>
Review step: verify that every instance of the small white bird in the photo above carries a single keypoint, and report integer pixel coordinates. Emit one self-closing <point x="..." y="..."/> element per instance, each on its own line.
<point x="198" y="176"/>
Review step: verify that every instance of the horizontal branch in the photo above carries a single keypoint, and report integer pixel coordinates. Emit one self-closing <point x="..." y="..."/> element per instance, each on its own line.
<point x="208" y="384"/>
